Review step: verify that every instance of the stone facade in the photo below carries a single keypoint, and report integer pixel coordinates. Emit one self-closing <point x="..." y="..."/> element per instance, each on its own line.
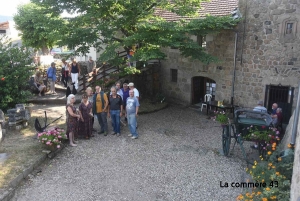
<point x="268" y="52"/>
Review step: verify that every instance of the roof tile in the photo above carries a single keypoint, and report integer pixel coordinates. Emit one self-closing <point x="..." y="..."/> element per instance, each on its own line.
<point x="214" y="8"/>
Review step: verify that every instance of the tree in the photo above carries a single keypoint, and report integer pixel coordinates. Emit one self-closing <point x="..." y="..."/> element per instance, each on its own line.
<point x="39" y="26"/>
<point x="14" y="74"/>
<point x="113" y="24"/>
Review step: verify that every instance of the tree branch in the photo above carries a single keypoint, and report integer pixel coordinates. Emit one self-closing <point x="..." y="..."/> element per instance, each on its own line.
<point x="117" y="39"/>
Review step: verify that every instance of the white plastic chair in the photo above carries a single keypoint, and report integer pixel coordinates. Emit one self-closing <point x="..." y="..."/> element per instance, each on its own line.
<point x="207" y="98"/>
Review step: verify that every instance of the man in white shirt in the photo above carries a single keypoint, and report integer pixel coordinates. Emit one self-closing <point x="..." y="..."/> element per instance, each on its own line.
<point x="260" y="107"/>
<point x="135" y="91"/>
<point x="119" y="90"/>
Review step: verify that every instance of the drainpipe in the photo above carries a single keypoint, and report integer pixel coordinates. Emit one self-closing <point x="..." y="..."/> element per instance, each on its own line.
<point x="234" y="64"/>
<point x="296" y="118"/>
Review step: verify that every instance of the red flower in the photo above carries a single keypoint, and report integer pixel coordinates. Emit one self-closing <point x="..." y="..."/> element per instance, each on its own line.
<point x="263" y="127"/>
<point x="3" y="78"/>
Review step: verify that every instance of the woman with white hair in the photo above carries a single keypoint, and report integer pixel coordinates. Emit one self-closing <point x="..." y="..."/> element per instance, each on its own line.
<point x="72" y="119"/>
<point x="89" y="92"/>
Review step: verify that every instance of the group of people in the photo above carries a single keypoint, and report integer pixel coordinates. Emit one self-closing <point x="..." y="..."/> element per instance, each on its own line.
<point x="99" y="105"/>
<point x="276" y="115"/>
<point x="68" y="70"/>
<point x="276" y="112"/>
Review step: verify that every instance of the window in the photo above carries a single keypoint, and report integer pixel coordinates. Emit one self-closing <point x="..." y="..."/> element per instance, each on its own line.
<point x="289" y="28"/>
<point x="174" y="73"/>
<point x="201" y="40"/>
<point x="211" y="89"/>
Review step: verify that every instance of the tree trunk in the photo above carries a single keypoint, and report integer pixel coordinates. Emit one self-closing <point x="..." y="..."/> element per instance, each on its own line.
<point x="45" y="50"/>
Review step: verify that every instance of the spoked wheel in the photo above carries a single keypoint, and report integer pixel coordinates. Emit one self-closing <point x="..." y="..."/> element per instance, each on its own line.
<point x="226" y="139"/>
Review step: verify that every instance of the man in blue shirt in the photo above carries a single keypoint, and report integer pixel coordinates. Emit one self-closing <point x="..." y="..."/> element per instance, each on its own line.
<point x="132" y="109"/>
<point x="51" y="75"/>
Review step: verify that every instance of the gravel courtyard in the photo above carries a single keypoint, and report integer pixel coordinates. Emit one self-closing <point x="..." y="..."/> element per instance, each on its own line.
<point x="175" y="158"/>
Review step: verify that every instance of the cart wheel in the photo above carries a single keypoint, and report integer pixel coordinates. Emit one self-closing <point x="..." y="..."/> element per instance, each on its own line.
<point x="226" y="139"/>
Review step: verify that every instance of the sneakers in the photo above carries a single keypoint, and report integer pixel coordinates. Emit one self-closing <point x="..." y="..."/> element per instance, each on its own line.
<point x="105" y="133"/>
<point x="134" y="137"/>
<point x="100" y="132"/>
<point x="118" y="134"/>
<point x="113" y="133"/>
<point x="129" y="135"/>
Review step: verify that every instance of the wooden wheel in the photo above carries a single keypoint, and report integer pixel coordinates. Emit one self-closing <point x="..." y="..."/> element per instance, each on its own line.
<point x="226" y="139"/>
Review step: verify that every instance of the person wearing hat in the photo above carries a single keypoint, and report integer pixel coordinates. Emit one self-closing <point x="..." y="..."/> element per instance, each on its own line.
<point x="260" y="107"/>
<point x="51" y="75"/>
<point x="135" y="91"/>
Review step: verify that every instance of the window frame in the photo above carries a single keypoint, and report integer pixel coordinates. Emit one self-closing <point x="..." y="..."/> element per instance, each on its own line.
<point x="174" y="75"/>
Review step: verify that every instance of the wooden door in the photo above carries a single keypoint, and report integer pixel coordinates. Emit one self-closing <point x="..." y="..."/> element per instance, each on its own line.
<point x="197" y="90"/>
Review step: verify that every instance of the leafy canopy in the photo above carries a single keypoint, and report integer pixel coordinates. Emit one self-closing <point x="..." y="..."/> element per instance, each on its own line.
<point x="14" y="74"/>
<point x="111" y="24"/>
<point x="40" y="26"/>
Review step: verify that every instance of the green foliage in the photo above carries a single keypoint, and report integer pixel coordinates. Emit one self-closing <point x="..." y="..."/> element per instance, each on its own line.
<point x="14" y="74"/>
<point x="41" y="27"/>
<point x="262" y="134"/>
<point x="275" y="172"/>
<point x="112" y="24"/>
<point x="221" y="117"/>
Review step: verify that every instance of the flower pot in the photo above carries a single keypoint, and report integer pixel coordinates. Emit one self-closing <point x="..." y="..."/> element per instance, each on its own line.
<point x="51" y="148"/>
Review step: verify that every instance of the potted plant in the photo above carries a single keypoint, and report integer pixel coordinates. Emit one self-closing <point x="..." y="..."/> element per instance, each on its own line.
<point x="221" y="117"/>
<point x="52" y="139"/>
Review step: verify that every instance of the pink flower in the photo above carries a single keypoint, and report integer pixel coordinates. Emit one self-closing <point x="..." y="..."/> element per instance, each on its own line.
<point x="277" y="132"/>
<point x="58" y="146"/>
<point x="48" y="143"/>
<point x="59" y="136"/>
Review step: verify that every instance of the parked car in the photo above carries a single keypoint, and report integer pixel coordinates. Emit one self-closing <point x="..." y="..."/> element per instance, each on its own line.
<point x="55" y="51"/>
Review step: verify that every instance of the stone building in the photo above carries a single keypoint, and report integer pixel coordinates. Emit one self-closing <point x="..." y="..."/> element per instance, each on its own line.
<point x="266" y="65"/>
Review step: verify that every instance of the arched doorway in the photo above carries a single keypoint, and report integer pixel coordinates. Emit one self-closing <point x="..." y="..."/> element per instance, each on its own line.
<point x="202" y="86"/>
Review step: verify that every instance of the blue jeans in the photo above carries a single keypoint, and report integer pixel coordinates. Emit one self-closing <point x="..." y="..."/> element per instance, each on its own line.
<point x="131" y="119"/>
<point x="115" y="118"/>
<point x="102" y="120"/>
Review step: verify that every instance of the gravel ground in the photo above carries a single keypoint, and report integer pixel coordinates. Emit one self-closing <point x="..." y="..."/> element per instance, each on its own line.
<point x="175" y="158"/>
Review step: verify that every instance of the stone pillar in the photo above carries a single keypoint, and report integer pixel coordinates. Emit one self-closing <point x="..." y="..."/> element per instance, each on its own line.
<point x="2" y="124"/>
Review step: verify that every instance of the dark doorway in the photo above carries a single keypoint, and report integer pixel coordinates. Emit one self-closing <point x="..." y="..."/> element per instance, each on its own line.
<point x="202" y="86"/>
<point x="283" y="96"/>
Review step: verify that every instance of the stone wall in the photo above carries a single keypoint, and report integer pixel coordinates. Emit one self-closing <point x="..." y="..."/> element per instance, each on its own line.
<point x="265" y="55"/>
